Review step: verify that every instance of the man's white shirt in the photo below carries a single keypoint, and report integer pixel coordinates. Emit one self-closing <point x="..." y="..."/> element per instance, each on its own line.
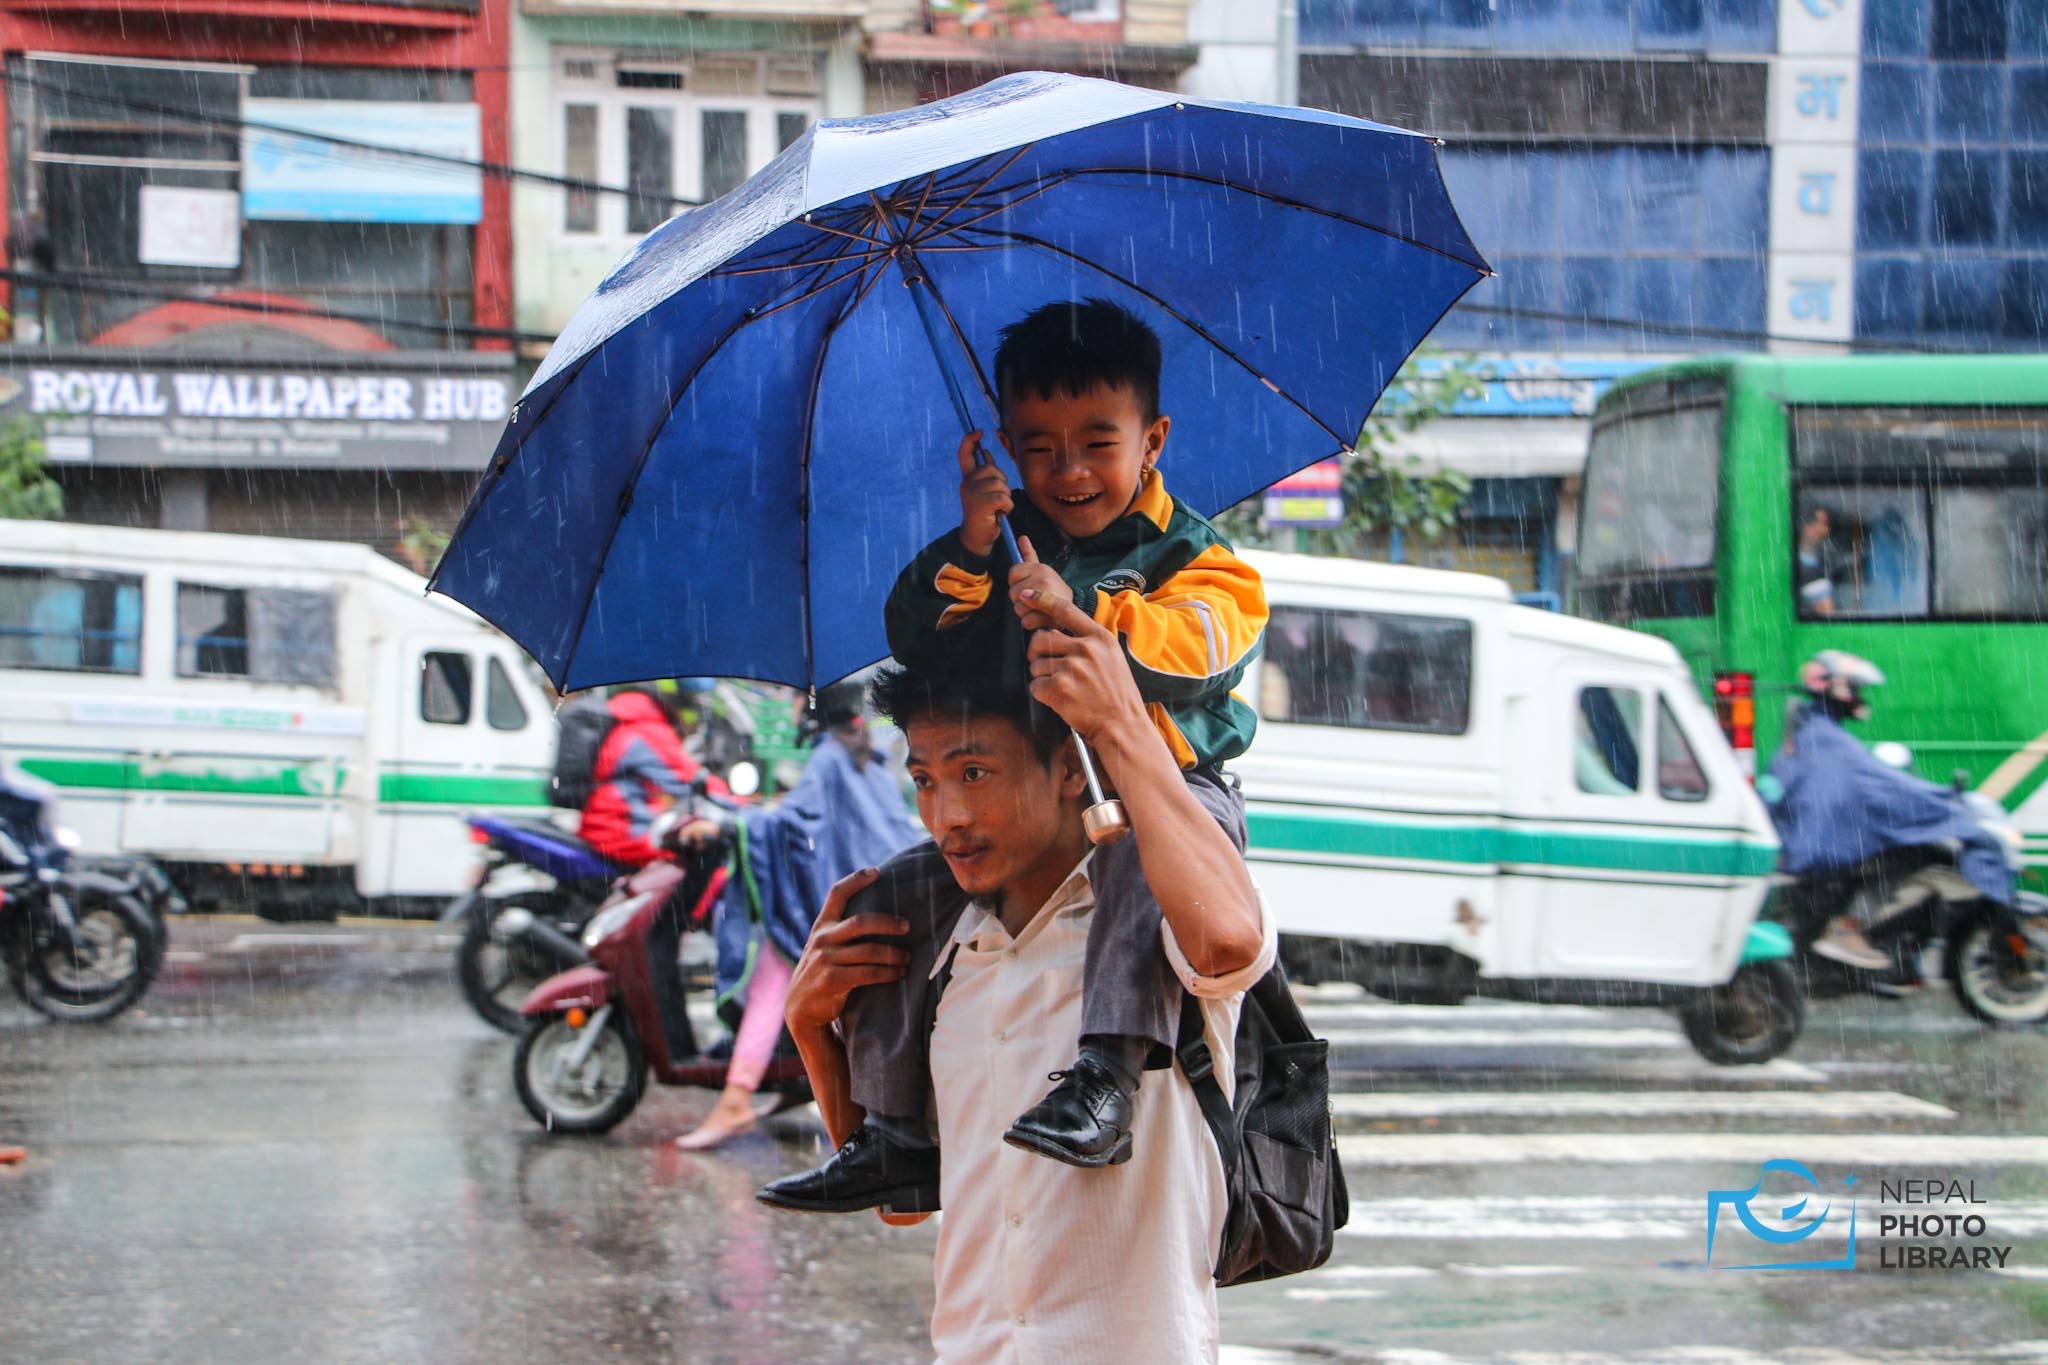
<point x="1038" y="1260"/>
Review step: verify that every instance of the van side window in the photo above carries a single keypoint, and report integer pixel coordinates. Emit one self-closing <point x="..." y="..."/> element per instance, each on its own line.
<point x="269" y="635"/>
<point x="445" y="687"/>
<point x="1607" y="742"/>
<point x="1679" y="775"/>
<point x="1367" y="670"/>
<point x="70" y="622"/>
<point x="502" y="707"/>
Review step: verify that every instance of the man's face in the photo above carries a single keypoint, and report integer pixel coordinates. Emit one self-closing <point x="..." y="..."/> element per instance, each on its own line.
<point x="1081" y="455"/>
<point x="1816" y="529"/>
<point x="995" y="808"/>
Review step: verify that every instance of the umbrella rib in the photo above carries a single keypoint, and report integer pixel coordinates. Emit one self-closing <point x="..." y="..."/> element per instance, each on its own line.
<point x="1271" y="198"/>
<point x="1011" y="161"/>
<point x="841" y="232"/>
<point x="1049" y="183"/>
<point x="811" y="293"/>
<point x="1178" y="316"/>
<point x="791" y="265"/>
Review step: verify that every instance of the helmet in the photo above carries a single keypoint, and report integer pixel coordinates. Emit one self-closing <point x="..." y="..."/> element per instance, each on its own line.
<point x="1836" y="681"/>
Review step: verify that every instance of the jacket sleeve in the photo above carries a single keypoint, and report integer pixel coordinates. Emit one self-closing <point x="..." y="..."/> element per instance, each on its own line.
<point x="1192" y="635"/>
<point x="941" y="590"/>
<point x="655" y="756"/>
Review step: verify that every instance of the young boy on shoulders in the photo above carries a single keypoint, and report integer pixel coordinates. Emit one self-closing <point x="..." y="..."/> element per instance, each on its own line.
<point x="1079" y="390"/>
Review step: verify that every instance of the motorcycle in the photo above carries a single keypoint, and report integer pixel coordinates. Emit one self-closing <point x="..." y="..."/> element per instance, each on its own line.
<point x="79" y="946"/>
<point x="1994" y="951"/>
<point x="596" y="1033"/>
<point x="533" y="889"/>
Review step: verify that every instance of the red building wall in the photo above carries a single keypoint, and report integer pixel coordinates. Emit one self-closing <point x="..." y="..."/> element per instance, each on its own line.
<point x="305" y="33"/>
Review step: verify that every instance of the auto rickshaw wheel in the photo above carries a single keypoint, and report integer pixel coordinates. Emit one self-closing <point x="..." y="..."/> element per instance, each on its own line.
<point x="1751" y="1019"/>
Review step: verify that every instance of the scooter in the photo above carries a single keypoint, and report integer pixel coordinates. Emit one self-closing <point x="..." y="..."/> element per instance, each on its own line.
<point x="1994" y="952"/>
<point x="595" y="1034"/>
<point x="77" y="945"/>
<point x="533" y="889"/>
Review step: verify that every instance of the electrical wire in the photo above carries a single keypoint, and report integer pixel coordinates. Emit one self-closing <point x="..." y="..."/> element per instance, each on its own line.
<point x="185" y="114"/>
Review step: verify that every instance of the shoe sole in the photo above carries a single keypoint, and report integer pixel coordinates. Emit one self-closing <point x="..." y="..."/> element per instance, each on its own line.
<point x="903" y="1199"/>
<point x="1038" y="1146"/>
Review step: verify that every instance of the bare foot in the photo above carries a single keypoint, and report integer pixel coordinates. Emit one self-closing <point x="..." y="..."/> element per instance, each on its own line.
<point x="720" y="1125"/>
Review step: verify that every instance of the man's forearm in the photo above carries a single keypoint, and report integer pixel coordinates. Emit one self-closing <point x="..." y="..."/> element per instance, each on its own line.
<point x="831" y="1081"/>
<point x="1195" y="872"/>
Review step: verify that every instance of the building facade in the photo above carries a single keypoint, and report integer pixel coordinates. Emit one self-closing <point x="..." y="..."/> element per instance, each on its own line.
<point x="227" y="312"/>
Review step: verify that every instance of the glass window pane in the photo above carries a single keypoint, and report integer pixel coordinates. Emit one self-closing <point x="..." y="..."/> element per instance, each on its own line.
<point x="81" y="623"/>
<point x="1742" y="25"/>
<point x="1968" y="28"/>
<point x="1992" y="546"/>
<point x="1894" y="102"/>
<point x="1652" y="489"/>
<point x="445" y="682"/>
<point x="213" y="632"/>
<point x="1969" y="103"/>
<point x="1607" y="741"/>
<point x="724" y="134"/>
<point x="502" y="707"/>
<point x="789" y="126"/>
<point x="1964" y="297"/>
<point x="1665" y="190"/>
<point x="1732" y="291"/>
<point x="1895" y="28"/>
<point x="1888" y="298"/>
<point x="579" y="162"/>
<point x="1890" y="195"/>
<point x="1965" y="199"/>
<point x="1370" y="671"/>
<point x="1666" y="290"/>
<point x="1594" y="207"/>
<point x="1454" y="23"/>
<point x="1734" y="202"/>
<point x="650" y="167"/>
<point x="1875" y="554"/>
<point x="1679" y="775"/>
<point x="2026" y="199"/>
<point x="2026" y="301"/>
<point x="1664" y="24"/>
<point x="2030" y="104"/>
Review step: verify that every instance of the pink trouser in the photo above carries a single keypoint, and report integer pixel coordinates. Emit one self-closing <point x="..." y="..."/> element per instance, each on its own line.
<point x="761" y="1025"/>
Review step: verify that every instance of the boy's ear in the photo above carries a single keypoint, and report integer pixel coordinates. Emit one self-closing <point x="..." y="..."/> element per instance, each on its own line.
<point x="1003" y="435"/>
<point x="1155" y="438"/>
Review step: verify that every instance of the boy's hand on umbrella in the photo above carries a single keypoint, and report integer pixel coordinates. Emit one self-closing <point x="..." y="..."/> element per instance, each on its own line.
<point x="984" y="498"/>
<point x="1033" y="587"/>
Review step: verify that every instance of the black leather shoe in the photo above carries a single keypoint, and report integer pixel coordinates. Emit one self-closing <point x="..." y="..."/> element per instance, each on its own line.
<point x="870" y="1171"/>
<point x="1085" y="1121"/>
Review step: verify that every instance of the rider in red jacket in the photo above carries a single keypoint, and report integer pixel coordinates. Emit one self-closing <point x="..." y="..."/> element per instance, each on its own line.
<point x="641" y="770"/>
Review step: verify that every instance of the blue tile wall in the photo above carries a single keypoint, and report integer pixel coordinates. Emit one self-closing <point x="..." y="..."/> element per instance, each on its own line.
<point x="1587" y="27"/>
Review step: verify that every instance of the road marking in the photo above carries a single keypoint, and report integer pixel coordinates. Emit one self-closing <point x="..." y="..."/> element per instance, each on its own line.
<point x="1597" y="1218"/>
<point x="1488" y="1037"/>
<point x="1404" y="1104"/>
<point x="250" y="943"/>
<point x="1641" y="1149"/>
<point x="1459" y="1014"/>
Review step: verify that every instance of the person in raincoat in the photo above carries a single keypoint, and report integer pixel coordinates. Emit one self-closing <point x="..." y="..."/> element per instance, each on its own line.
<point x="846" y="813"/>
<point x="641" y="771"/>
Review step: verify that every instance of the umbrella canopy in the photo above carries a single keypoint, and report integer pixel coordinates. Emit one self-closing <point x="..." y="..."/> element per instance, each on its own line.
<point x="745" y="432"/>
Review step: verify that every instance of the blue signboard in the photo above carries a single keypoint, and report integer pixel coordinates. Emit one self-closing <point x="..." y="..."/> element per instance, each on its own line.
<point x="312" y="179"/>
<point x="1539" y="385"/>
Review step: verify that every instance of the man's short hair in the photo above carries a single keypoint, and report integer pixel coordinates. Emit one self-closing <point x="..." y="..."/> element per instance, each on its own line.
<point x="904" y="695"/>
<point x="1071" y="347"/>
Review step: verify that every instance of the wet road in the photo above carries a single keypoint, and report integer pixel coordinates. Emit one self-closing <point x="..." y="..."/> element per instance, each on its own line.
<point x="304" y="1147"/>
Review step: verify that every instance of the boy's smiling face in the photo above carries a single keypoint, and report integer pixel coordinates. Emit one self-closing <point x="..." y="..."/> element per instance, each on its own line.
<point x="1081" y="455"/>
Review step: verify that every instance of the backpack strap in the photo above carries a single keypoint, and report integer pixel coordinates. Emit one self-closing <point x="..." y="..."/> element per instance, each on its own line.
<point x="1198" y="1063"/>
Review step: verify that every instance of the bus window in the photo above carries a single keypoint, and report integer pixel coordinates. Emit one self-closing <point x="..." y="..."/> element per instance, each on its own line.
<point x="1607" y="742"/>
<point x="1933" y="512"/>
<point x="1872" y="560"/>
<point x="445" y="681"/>
<point x="1679" y="775"/>
<point x="502" y="707"/>
<point x="1367" y="670"/>
<point x="70" y="622"/>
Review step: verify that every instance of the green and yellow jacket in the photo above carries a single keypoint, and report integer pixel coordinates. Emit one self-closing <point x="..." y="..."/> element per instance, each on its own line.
<point x="1189" y="612"/>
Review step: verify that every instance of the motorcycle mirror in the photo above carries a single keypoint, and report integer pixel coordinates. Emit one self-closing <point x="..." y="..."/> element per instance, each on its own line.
<point x="1892" y="754"/>
<point x="744" y="779"/>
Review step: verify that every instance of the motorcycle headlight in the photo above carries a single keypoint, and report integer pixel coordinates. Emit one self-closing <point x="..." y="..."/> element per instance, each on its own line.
<point x="608" y="922"/>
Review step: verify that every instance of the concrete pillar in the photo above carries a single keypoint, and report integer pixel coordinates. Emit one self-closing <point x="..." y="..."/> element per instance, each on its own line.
<point x="183" y="507"/>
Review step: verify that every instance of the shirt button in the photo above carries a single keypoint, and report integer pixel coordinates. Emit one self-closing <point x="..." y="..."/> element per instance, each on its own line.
<point x="1016" y="1220"/>
<point x="1020" y="1319"/>
<point x="1010" y="952"/>
<point x="999" y="1035"/>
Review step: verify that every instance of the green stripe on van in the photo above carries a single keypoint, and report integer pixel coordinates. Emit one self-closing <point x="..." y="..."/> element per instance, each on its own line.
<point x="245" y="777"/>
<point x="1356" y="837"/>
<point x="462" y="789"/>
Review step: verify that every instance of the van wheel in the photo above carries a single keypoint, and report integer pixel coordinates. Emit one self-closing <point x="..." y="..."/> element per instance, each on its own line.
<point x="1752" y="1019"/>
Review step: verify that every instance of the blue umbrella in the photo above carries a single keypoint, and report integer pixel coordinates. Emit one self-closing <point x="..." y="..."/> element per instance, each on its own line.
<point x="750" y="426"/>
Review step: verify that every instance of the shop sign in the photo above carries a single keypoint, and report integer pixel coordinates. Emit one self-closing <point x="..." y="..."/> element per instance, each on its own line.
<point x="311" y="179"/>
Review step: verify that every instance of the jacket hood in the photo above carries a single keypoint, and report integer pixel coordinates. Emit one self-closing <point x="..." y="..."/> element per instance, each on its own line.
<point x="636" y="708"/>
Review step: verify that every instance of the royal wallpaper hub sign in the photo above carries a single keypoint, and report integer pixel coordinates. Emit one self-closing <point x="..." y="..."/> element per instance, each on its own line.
<point x="355" y="418"/>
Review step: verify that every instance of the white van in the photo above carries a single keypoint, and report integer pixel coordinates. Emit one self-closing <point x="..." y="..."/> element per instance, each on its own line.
<point x="289" y="722"/>
<point x="1453" y="795"/>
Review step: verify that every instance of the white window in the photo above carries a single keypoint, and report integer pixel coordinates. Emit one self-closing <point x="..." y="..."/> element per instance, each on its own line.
<point x="673" y="128"/>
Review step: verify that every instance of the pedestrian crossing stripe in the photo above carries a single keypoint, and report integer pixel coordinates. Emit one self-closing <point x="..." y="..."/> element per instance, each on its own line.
<point x="1398" y="1104"/>
<point x="1853" y="1150"/>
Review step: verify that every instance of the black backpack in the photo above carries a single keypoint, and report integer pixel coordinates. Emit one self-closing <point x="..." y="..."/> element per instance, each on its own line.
<point x="581" y="730"/>
<point x="1287" y="1194"/>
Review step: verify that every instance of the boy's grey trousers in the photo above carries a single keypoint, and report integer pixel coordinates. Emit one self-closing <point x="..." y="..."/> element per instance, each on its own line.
<point x="1127" y="987"/>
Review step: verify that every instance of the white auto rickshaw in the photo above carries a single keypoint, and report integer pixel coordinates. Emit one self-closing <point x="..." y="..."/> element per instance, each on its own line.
<point x="1451" y="795"/>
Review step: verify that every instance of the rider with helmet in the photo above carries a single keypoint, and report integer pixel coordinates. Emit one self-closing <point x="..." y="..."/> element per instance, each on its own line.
<point x="1831" y="693"/>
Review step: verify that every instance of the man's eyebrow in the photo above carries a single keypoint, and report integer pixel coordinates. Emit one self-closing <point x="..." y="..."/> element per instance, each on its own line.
<point x="973" y="748"/>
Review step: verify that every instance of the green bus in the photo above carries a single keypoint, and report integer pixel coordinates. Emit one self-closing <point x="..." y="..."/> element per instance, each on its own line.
<point x="1755" y="510"/>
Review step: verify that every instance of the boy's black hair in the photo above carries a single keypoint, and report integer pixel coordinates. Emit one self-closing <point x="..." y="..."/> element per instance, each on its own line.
<point x="1071" y="347"/>
<point x="904" y="695"/>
